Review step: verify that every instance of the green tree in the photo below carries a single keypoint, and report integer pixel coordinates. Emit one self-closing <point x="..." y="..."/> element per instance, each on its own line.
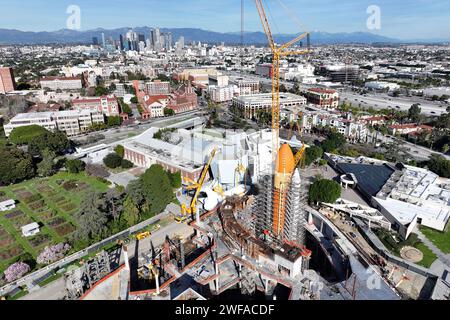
<point x="112" y="88"/>
<point x="112" y="160"/>
<point x="157" y="189"/>
<point x="114" y="121"/>
<point x="439" y="165"/>
<point x="75" y="165"/>
<point x="334" y="141"/>
<point x="23" y="135"/>
<point x="175" y="179"/>
<point x="15" y="166"/>
<point x="91" y="219"/>
<point x="135" y="192"/>
<point x="100" y="91"/>
<point x="312" y="154"/>
<point x="414" y="113"/>
<point x="323" y="190"/>
<point x="126" y="164"/>
<point x="169" y="112"/>
<point x="130" y="212"/>
<point x="134" y="100"/>
<point x="163" y="77"/>
<point x="47" y="166"/>
<point x="125" y="107"/>
<point x="56" y="142"/>
<point x="120" y="150"/>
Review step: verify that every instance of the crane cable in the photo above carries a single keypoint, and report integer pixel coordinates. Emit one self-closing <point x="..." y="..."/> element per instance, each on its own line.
<point x="272" y="19"/>
<point x="296" y="20"/>
<point x="292" y="16"/>
<point x="242" y="38"/>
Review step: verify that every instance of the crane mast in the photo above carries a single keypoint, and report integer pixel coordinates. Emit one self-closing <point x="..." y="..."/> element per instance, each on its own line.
<point x="278" y="53"/>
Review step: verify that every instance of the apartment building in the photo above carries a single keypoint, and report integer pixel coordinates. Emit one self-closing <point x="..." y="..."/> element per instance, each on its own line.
<point x="72" y="122"/>
<point x="222" y="94"/>
<point x="61" y="83"/>
<point x="43" y="119"/>
<point x="108" y="105"/>
<point x="352" y="129"/>
<point x="249" y="105"/>
<point x="246" y="87"/>
<point x="324" y="98"/>
<point x="120" y="90"/>
<point x="7" y="82"/>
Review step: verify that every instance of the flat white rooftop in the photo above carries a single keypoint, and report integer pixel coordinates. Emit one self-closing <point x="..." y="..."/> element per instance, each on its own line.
<point x="33" y="115"/>
<point x="267" y="97"/>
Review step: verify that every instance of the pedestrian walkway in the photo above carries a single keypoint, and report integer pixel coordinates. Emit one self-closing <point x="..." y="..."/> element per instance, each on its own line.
<point x="444" y="258"/>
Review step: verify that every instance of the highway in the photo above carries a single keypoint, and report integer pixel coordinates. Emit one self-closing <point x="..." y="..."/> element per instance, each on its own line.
<point x="376" y="101"/>
<point x="383" y="101"/>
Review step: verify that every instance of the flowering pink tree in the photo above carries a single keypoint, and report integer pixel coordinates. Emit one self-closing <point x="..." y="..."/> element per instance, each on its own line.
<point x="53" y="253"/>
<point x="16" y="271"/>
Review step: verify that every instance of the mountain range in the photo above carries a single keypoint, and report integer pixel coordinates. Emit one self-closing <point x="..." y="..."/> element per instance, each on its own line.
<point x="65" y="36"/>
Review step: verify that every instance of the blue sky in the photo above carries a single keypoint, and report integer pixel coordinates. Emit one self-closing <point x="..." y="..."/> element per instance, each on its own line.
<point x="402" y="19"/>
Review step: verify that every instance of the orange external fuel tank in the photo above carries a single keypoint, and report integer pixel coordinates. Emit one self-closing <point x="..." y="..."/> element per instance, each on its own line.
<point x="284" y="167"/>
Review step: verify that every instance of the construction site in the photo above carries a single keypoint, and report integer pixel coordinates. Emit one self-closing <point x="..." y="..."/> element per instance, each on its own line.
<point x="252" y="235"/>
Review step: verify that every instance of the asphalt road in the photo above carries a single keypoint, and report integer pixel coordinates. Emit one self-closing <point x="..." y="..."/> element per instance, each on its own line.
<point x="383" y="101"/>
<point x="376" y="101"/>
<point x="416" y="151"/>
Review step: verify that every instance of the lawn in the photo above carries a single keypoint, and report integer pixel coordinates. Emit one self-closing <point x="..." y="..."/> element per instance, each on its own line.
<point x="413" y="241"/>
<point x="50" y="279"/>
<point x="440" y="239"/>
<point x="52" y="203"/>
<point x="18" y="295"/>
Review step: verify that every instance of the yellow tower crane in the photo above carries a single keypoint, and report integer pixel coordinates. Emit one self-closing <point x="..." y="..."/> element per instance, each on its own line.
<point x="185" y="210"/>
<point x="278" y="53"/>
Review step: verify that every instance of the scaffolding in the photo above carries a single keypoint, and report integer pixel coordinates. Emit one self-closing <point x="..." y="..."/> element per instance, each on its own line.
<point x="295" y="215"/>
<point x="295" y="220"/>
<point x="263" y="207"/>
<point x="78" y="281"/>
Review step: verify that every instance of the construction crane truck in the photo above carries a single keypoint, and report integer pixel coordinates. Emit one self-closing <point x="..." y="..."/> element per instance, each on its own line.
<point x="192" y="208"/>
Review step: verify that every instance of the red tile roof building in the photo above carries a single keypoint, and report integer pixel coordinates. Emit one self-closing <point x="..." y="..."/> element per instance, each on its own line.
<point x="184" y="99"/>
<point x="408" y="128"/>
<point x="323" y="97"/>
<point x="154" y="105"/>
<point x="106" y="105"/>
